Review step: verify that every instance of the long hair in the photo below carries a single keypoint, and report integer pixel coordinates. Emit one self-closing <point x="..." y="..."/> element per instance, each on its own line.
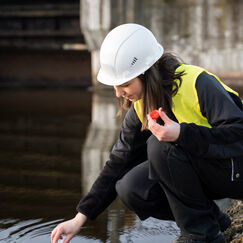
<point x="160" y="83"/>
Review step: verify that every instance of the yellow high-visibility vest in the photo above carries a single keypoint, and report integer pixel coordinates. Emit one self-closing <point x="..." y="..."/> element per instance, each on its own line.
<point x="185" y="103"/>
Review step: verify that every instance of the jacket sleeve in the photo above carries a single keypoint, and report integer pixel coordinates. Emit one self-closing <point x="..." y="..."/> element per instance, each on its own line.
<point x="224" y="113"/>
<point x="128" y="151"/>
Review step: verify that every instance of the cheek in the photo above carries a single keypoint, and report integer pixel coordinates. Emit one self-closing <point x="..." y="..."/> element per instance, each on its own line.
<point x="140" y="91"/>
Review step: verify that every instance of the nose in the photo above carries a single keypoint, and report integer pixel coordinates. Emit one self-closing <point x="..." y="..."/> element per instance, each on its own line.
<point x="119" y="91"/>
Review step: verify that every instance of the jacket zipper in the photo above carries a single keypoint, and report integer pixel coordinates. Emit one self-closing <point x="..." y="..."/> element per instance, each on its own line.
<point x="232" y="164"/>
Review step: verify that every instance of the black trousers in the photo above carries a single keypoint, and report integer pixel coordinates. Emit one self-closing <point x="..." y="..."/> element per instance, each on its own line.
<point x="173" y="185"/>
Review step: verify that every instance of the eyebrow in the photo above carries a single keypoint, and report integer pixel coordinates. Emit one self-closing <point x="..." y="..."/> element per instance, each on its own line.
<point x="124" y="84"/>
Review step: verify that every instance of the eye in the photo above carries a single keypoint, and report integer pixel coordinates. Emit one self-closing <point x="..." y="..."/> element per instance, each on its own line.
<point x="125" y="85"/>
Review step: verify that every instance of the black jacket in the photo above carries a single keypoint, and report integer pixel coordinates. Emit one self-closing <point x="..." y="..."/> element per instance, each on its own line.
<point x="223" y="141"/>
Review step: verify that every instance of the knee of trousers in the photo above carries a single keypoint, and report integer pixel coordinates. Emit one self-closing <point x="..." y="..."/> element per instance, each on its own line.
<point x="127" y="193"/>
<point x="157" y="153"/>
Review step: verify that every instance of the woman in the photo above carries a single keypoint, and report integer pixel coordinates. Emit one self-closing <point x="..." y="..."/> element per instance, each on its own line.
<point x="172" y="167"/>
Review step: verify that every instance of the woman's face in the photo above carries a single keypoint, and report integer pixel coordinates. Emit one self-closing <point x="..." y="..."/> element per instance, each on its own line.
<point x="131" y="90"/>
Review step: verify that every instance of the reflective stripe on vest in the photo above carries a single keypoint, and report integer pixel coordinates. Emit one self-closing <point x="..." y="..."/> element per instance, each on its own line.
<point x="185" y="103"/>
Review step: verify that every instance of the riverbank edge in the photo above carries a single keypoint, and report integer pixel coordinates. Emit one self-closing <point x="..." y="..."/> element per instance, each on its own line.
<point x="234" y="234"/>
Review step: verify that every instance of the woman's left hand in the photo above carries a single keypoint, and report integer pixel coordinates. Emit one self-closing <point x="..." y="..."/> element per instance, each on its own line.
<point x="169" y="132"/>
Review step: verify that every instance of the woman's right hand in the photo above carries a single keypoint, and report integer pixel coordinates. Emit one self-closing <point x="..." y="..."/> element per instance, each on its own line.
<point x="69" y="228"/>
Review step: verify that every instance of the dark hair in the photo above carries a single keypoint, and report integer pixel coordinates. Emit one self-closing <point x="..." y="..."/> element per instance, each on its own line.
<point x="160" y="84"/>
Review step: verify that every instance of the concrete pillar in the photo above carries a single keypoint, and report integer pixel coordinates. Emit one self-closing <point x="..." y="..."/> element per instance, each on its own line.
<point x="98" y="17"/>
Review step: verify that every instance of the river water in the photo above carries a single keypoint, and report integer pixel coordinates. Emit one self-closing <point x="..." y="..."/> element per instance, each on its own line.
<point x="53" y="144"/>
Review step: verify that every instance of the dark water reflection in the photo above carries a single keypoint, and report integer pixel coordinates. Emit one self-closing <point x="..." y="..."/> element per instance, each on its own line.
<point x="53" y="143"/>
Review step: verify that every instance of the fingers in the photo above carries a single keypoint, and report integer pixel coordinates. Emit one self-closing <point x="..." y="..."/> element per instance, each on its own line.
<point x="53" y="233"/>
<point x="153" y="125"/>
<point x="68" y="238"/>
<point x="56" y="235"/>
<point x="163" y="116"/>
<point x="168" y="132"/>
<point x="56" y="238"/>
<point x="157" y="130"/>
<point x="149" y="118"/>
<point x="151" y="122"/>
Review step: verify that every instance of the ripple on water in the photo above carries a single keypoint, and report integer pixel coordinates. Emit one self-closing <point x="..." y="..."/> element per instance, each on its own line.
<point x="15" y="230"/>
<point x="133" y="231"/>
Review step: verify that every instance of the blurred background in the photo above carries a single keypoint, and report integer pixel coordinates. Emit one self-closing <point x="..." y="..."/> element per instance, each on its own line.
<point x="57" y="123"/>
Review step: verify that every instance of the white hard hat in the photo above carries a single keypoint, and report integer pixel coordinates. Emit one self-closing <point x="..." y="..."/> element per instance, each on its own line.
<point x="126" y="52"/>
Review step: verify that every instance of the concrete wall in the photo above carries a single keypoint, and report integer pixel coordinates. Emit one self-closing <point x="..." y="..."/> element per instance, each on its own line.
<point x="203" y="32"/>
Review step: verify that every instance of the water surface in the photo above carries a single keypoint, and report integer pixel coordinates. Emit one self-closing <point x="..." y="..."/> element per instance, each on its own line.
<point x="53" y="144"/>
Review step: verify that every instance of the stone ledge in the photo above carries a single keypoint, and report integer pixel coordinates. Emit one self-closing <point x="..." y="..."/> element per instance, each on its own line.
<point x="234" y="234"/>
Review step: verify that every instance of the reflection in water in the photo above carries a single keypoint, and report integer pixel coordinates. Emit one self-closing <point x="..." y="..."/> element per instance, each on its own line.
<point x="101" y="135"/>
<point x="42" y="135"/>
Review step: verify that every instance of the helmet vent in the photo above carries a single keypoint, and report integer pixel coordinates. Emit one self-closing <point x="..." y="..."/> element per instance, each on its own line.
<point x="134" y="61"/>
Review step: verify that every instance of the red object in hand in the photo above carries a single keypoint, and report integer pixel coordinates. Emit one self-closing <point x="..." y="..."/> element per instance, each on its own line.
<point x="154" y="114"/>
